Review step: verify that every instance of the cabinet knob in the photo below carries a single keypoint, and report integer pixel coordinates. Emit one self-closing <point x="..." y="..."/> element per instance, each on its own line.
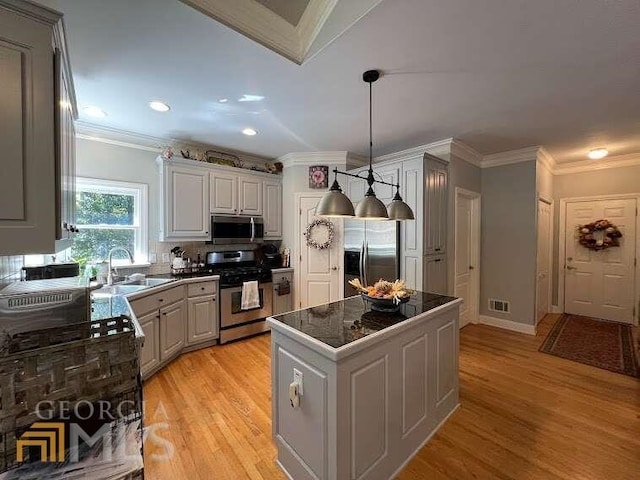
<point x="158" y="316"/>
<point x="164" y="313"/>
<point x="161" y="299"/>
<point x="202" y="288"/>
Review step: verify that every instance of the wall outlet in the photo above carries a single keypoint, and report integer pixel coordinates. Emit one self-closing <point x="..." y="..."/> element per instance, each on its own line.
<point x="153" y="257"/>
<point x="166" y="258"/>
<point x="297" y="378"/>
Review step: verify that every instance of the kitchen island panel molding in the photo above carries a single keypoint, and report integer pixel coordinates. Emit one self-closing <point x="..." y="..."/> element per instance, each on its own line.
<point x="386" y="393"/>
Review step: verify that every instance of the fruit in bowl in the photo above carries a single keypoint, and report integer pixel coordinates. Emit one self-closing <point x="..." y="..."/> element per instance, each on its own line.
<point x="384" y="295"/>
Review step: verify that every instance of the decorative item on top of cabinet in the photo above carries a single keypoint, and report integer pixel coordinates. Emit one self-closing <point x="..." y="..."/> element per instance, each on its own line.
<point x="29" y="203"/>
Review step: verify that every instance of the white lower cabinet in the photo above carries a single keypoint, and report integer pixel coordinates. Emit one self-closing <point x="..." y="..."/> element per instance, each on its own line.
<point x="172" y="330"/>
<point x="282" y="292"/>
<point x="202" y="324"/>
<point x="150" y="354"/>
<point x="435" y="274"/>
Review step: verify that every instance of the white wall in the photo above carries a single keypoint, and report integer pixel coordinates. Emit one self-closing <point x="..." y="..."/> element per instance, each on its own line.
<point x="508" y="251"/>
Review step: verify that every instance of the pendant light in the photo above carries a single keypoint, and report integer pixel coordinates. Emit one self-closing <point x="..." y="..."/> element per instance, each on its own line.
<point x="334" y="203"/>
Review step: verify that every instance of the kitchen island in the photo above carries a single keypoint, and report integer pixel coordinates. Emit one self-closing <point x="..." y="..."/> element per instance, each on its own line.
<point x="375" y="386"/>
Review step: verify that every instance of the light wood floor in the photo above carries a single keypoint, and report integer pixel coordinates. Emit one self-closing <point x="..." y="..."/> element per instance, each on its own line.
<point x="523" y="415"/>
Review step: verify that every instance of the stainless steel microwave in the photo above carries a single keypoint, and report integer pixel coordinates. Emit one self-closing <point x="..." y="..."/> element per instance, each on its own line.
<point x="227" y="230"/>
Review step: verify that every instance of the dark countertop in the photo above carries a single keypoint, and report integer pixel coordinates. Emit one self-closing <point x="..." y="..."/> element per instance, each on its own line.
<point x="340" y="323"/>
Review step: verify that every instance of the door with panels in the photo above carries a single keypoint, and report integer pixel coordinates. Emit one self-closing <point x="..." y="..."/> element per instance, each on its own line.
<point x="601" y="284"/>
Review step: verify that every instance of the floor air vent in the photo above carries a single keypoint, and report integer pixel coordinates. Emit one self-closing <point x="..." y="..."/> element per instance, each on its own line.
<point x="499" y="306"/>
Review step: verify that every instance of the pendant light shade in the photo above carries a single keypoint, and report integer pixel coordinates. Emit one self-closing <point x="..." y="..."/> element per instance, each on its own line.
<point x="334" y="203"/>
<point x="399" y="210"/>
<point x="371" y="208"/>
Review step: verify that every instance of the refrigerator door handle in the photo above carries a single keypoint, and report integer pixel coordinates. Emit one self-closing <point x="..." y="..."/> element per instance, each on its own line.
<point x="363" y="278"/>
<point x="365" y="248"/>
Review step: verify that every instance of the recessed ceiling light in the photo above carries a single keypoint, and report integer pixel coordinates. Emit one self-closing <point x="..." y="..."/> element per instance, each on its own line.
<point x="249" y="131"/>
<point x="95" y="112"/>
<point x="159" y="106"/>
<point x="598" y="153"/>
<point x="223" y="100"/>
<point x="250" y="98"/>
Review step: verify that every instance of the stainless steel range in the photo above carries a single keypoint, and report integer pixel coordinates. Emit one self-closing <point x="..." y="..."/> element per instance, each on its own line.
<point x="235" y="268"/>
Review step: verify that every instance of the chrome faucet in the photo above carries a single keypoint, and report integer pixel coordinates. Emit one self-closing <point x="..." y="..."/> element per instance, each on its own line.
<point x="115" y="249"/>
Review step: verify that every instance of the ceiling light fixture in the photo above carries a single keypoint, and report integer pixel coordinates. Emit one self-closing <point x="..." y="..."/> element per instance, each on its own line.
<point x="94" y="112"/>
<point x="250" y="98"/>
<point x="250" y="132"/>
<point x="598" y="153"/>
<point x="159" y="106"/>
<point x="334" y="203"/>
<point x="223" y="100"/>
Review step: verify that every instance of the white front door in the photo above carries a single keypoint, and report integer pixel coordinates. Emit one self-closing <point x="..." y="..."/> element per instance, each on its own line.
<point x="601" y="284"/>
<point x="543" y="302"/>
<point x="319" y="270"/>
<point x="467" y="252"/>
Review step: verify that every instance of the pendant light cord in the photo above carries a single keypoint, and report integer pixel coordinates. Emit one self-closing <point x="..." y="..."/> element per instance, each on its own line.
<point x="370" y="178"/>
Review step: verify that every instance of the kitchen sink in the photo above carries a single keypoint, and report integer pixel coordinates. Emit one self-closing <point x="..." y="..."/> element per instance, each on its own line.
<point x="148" y="282"/>
<point x="112" y="290"/>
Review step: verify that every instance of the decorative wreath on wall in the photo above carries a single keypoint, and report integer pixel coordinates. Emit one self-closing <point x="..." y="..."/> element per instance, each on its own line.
<point x="590" y="238"/>
<point x="320" y="222"/>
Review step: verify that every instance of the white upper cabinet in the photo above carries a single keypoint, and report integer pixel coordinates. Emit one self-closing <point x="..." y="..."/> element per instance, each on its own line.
<point x="250" y="195"/>
<point x="436" y="215"/>
<point x="389" y="174"/>
<point x="185" y="203"/>
<point x="29" y="201"/>
<point x="272" y="192"/>
<point x="354" y="188"/>
<point x="234" y="194"/>
<point x="223" y="193"/>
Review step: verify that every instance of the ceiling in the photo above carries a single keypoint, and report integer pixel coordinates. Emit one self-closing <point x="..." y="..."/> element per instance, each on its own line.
<point x="497" y="75"/>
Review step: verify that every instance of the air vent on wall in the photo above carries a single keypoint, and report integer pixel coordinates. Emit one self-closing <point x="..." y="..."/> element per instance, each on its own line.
<point x="499" y="306"/>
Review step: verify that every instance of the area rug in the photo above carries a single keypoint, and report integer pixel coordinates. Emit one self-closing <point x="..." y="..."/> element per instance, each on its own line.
<point x="599" y="343"/>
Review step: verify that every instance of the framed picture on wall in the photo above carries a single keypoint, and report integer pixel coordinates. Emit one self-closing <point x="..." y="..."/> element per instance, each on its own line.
<point x="319" y="176"/>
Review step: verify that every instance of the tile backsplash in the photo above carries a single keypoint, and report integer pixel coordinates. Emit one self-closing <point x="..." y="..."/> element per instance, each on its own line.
<point x="10" y="267"/>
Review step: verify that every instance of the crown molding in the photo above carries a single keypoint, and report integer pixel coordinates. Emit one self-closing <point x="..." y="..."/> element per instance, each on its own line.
<point x="545" y="158"/>
<point x="510" y="157"/>
<point x="266" y="27"/>
<point x="618" y="161"/>
<point x="148" y="143"/>
<point x="314" y="158"/>
<point x="441" y="148"/>
<point x="465" y="152"/>
<point x="36" y="12"/>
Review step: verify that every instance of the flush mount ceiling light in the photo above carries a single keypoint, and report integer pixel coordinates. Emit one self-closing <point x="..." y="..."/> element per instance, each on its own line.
<point x="223" y="100"/>
<point x="250" y="132"/>
<point x="334" y="203"/>
<point x="250" y="98"/>
<point x="94" y="111"/>
<point x="159" y="106"/>
<point x="598" y="153"/>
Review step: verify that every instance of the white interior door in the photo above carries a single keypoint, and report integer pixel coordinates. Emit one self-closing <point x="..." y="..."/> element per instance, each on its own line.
<point x="543" y="302"/>
<point x="466" y="255"/>
<point x="319" y="271"/>
<point x="601" y="284"/>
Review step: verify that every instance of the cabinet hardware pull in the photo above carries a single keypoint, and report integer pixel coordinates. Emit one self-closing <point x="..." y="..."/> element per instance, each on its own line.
<point x="202" y="288"/>
<point x="437" y="249"/>
<point x="161" y="299"/>
<point x="438" y="260"/>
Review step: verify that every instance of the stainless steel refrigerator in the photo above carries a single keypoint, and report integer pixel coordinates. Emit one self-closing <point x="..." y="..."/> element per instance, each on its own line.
<point x="371" y="252"/>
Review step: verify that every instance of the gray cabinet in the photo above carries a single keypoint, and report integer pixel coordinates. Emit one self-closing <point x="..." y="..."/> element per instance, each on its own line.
<point x="435" y="274"/>
<point x="250" y="195"/>
<point x="172" y="330"/>
<point x="235" y="194"/>
<point x="282" y="302"/>
<point x="29" y="204"/>
<point x="202" y="311"/>
<point x="272" y="205"/>
<point x="150" y="353"/>
<point x="185" y="196"/>
<point x="436" y="211"/>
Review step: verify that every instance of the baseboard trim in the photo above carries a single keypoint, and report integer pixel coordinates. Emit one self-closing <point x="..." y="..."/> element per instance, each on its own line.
<point x="556" y="309"/>
<point x="507" y="324"/>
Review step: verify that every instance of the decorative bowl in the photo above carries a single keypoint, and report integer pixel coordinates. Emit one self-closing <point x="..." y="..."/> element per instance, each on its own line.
<point x="383" y="304"/>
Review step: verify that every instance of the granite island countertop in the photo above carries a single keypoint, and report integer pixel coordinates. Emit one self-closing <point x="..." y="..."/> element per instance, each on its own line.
<point x="340" y="328"/>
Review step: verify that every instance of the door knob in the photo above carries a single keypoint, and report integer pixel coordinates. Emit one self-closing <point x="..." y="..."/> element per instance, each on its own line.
<point x="471" y="267"/>
<point x="334" y="268"/>
<point x="569" y="267"/>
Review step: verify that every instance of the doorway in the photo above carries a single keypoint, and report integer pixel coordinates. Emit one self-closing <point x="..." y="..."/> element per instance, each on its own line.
<point x="319" y="272"/>
<point x="599" y="283"/>
<point x="543" y="274"/>
<point x="467" y="254"/>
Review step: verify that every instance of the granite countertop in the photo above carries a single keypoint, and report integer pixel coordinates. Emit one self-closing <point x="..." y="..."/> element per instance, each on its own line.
<point x="341" y="323"/>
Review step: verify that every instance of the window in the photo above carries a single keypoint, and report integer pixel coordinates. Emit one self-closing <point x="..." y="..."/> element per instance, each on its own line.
<point x="110" y="214"/>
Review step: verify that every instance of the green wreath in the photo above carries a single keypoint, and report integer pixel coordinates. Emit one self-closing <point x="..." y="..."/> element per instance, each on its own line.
<point x="587" y="239"/>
